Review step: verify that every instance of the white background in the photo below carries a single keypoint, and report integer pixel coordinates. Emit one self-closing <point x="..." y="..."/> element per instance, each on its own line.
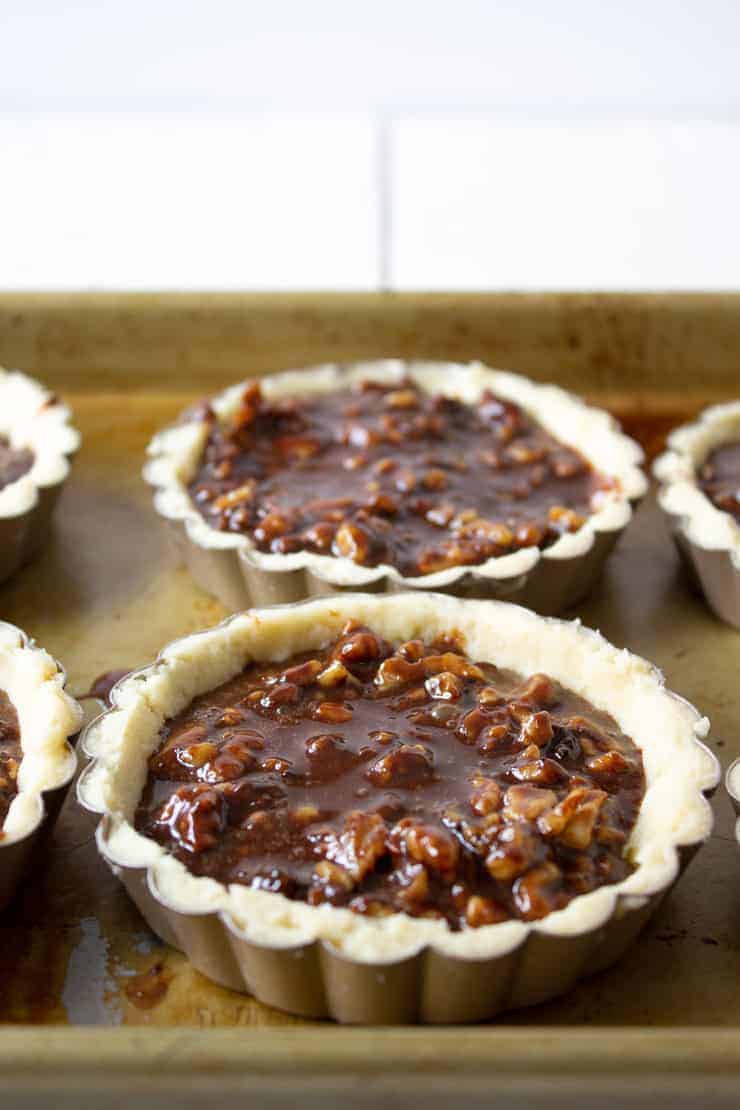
<point x="393" y="143"/>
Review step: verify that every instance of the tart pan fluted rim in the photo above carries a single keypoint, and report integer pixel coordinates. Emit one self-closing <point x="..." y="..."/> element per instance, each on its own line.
<point x="707" y="538"/>
<point x="732" y="784"/>
<point x="31" y="416"/>
<point x="324" y="961"/>
<point x="230" y="565"/>
<point x="48" y="717"/>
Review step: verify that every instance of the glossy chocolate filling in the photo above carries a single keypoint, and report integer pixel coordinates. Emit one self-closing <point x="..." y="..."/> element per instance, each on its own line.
<point x="14" y="462"/>
<point x="407" y="779"/>
<point x="391" y="475"/>
<point x="10" y="755"/>
<point x="719" y="478"/>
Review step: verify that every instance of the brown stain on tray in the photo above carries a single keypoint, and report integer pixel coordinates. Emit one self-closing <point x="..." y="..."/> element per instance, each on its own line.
<point x="148" y="988"/>
<point x="101" y="687"/>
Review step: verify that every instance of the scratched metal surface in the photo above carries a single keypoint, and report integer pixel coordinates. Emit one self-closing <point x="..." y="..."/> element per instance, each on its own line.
<point x="107" y="594"/>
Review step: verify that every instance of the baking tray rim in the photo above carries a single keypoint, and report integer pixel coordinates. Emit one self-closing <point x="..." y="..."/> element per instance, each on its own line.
<point x="46" y="1051"/>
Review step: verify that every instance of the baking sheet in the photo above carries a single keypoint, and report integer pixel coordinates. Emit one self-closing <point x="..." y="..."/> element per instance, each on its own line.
<point x="108" y="593"/>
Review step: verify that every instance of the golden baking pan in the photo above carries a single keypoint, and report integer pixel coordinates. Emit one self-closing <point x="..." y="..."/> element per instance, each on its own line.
<point x="663" y="1025"/>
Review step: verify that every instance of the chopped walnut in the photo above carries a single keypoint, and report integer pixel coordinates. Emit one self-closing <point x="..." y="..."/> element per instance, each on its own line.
<point x="195" y="755"/>
<point x="567" y="519"/>
<point x="413" y="887"/>
<point x="335" y="674"/>
<point x="537" y="729"/>
<point x="486" y="796"/>
<point x="608" y="763"/>
<point x="471" y="725"/>
<point x="536" y="892"/>
<point x="304" y="673"/>
<point x="230" y="717"/>
<point x="407" y="766"/>
<point x="412" y="650"/>
<point x="194" y="816"/>
<point x="444" y="685"/>
<point x="513" y="852"/>
<point x="360" y="845"/>
<point x="538" y="690"/>
<point x="434" y="847"/>
<point x="328" y="757"/>
<point x="453" y="663"/>
<point x="488" y="695"/>
<point x="483" y="911"/>
<point x="331" y="712"/>
<point x="573" y="819"/>
<point x="352" y="542"/>
<point x="396" y="672"/>
<point x="526" y="803"/>
<point x="402" y="399"/>
<point x="544" y="772"/>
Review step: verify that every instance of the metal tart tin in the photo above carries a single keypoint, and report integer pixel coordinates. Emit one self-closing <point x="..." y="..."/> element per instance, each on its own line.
<point x="316" y="980"/>
<point x="18" y="857"/>
<point x="25" y="522"/>
<point x="732" y="785"/>
<point x="707" y="539"/>
<point x="229" y="566"/>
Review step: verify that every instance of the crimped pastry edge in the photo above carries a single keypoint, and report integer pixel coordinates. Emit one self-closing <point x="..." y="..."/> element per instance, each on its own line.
<point x="48" y="716"/>
<point x="230" y="565"/>
<point x="188" y="911"/>
<point x="707" y="538"/>
<point x="31" y="417"/>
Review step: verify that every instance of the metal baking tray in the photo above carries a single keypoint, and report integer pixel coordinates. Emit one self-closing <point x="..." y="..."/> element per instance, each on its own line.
<point x="96" y="1010"/>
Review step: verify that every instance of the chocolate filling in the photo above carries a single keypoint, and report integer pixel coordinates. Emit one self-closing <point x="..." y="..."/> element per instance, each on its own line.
<point x="407" y="779"/>
<point x="391" y="475"/>
<point x="14" y="462"/>
<point x="10" y="755"/>
<point x="719" y="478"/>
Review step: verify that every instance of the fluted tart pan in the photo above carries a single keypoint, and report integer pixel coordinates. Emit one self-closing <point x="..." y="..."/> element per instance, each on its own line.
<point x="48" y="717"/>
<point x="230" y="566"/>
<point x="707" y="538"/>
<point x="32" y="417"/>
<point x="323" y="961"/>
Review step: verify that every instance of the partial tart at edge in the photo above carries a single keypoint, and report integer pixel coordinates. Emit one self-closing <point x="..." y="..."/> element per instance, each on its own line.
<point x="230" y="565"/>
<point x="46" y="717"/>
<point x="323" y="961"/>
<point x="32" y="421"/>
<point x="707" y="537"/>
<point x="732" y="785"/>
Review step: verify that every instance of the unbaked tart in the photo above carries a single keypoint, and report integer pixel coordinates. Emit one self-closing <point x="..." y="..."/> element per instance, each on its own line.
<point x="389" y="475"/>
<point x="699" y="477"/>
<point x="732" y="784"/>
<point x="398" y="808"/>
<point x="37" y="763"/>
<point x="36" y="440"/>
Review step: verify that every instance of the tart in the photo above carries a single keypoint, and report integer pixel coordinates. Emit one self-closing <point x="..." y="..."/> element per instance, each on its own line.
<point x="36" y="440"/>
<point x="37" y="763"/>
<point x="699" y="477"/>
<point x="390" y="475"/>
<point x="732" y="783"/>
<point x="387" y="809"/>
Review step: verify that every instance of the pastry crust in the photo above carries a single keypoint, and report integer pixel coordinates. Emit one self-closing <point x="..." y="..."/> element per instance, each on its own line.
<point x="674" y="812"/>
<point x="47" y="717"/>
<point x="732" y="782"/>
<point x="30" y="416"/>
<point x="175" y="452"/>
<point x="707" y="537"/>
